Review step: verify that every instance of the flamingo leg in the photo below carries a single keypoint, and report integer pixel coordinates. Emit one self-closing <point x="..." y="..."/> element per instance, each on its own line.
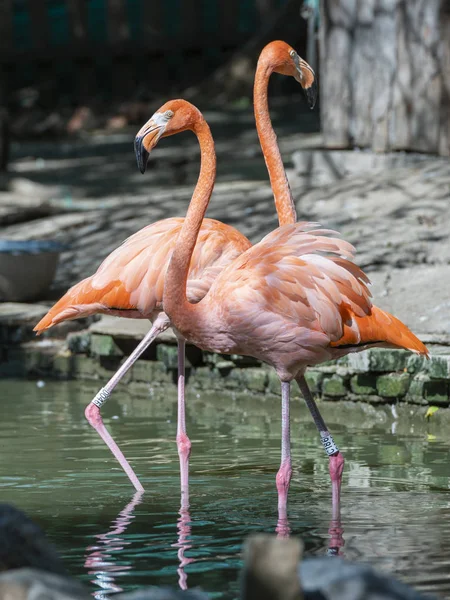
<point x="183" y="442"/>
<point x="92" y="411"/>
<point x="335" y="530"/>
<point x="336" y="465"/>
<point x="285" y="471"/>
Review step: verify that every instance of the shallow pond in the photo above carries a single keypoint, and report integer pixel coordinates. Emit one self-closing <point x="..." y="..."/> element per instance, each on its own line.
<point x="395" y="501"/>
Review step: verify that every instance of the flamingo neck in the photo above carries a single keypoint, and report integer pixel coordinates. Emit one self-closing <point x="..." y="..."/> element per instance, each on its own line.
<point x="175" y="301"/>
<point x="284" y="202"/>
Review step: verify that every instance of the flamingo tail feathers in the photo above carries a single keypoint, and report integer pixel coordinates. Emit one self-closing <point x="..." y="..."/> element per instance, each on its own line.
<point x="379" y="328"/>
<point x="82" y="300"/>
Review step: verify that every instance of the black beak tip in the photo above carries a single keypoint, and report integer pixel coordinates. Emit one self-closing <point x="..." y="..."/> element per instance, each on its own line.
<point x="311" y="94"/>
<point x="141" y="155"/>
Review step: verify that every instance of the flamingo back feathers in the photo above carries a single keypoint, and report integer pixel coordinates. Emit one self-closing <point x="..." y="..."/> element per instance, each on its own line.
<point x="131" y="278"/>
<point x="299" y="283"/>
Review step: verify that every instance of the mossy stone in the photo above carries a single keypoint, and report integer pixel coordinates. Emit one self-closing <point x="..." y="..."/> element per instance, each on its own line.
<point x="394" y="385"/>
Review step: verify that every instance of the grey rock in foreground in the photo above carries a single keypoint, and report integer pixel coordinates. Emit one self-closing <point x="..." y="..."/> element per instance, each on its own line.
<point x="270" y="571"/>
<point x="330" y="578"/>
<point x="23" y="544"/>
<point x="34" y="584"/>
<point x="153" y="593"/>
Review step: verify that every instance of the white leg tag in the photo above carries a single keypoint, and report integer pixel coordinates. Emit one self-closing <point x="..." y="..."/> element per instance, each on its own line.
<point x="101" y="397"/>
<point x="328" y="443"/>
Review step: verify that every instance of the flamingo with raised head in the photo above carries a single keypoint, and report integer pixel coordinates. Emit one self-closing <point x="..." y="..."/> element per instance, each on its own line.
<point x="293" y="300"/>
<point x="129" y="282"/>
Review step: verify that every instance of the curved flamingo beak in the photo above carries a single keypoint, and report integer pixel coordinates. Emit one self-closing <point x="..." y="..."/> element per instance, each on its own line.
<point x="311" y="94"/>
<point x="147" y="138"/>
<point x="307" y="79"/>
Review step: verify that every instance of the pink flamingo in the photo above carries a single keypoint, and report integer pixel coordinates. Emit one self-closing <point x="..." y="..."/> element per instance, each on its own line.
<point x="293" y="300"/>
<point x="129" y="282"/>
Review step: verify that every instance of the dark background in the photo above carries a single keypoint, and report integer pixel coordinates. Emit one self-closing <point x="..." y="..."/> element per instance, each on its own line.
<point x="112" y="57"/>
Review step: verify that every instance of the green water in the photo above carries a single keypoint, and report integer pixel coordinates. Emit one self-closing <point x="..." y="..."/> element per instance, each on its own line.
<point x="395" y="501"/>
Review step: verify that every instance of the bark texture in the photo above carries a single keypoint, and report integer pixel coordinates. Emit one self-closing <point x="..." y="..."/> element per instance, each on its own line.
<point x="385" y="74"/>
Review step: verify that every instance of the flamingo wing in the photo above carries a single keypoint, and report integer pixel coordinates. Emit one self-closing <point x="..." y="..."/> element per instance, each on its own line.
<point x="130" y="281"/>
<point x="299" y="287"/>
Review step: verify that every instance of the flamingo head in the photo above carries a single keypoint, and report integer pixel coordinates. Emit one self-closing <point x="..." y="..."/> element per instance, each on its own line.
<point x="282" y="58"/>
<point x="173" y="117"/>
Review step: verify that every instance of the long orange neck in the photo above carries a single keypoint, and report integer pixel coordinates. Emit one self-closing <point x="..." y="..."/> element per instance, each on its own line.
<point x="175" y="302"/>
<point x="284" y="202"/>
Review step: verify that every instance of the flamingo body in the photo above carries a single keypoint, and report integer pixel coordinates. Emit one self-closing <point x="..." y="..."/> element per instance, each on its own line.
<point x="294" y="300"/>
<point x="130" y="281"/>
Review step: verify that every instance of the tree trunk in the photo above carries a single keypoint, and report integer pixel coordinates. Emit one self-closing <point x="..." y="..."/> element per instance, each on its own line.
<point x="385" y="74"/>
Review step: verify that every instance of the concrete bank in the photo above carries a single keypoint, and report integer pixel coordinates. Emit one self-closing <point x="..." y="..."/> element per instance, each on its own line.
<point x="94" y="351"/>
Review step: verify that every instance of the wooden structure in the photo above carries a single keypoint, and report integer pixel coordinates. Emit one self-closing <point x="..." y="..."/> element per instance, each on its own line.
<point x="385" y="74"/>
<point x="82" y="47"/>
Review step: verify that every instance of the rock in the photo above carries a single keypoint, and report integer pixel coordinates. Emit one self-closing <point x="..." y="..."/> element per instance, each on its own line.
<point x="104" y="345"/>
<point x="314" y="380"/>
<point x="385" y="360"/>
<point x="168" y="355"/>
<point x="410" y="294"/>
<point x="363" y="383"/>
<point x="326" y="166"/>
<point x="255" y="379"/>
<point x="134" y="329"/>
<point x="332" y="578"/>
<point x="23" y="544"/>
<point x="439" y="367"/>
<point x="32" y="584"/>
<point x="57" y="227"/>
<point x="14" y="314"/>
<point x="153" y="593"/>
<point x="334" y="386"/>
<point x="79" y="342"/>
<point x="270" y="569"/>
<point x="394" y="385"/>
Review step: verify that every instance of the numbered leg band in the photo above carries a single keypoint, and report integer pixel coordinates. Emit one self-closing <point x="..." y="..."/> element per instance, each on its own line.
<point x="101" y="398"/>
<point x="328" y="443"/>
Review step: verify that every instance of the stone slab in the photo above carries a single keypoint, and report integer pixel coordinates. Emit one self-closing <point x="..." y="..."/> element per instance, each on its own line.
<point x="18" y="313"/>
<point x="133" y="329"/>
<point x="326" y="166"/>
<point x="419" y="296"/>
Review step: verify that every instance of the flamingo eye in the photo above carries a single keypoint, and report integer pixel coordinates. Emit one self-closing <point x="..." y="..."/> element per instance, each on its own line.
<point x="293" y="53"/>
<point x="168" y="114"/>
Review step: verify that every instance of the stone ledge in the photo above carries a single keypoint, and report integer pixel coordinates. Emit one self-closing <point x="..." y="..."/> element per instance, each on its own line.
<point x="375" y="376"/>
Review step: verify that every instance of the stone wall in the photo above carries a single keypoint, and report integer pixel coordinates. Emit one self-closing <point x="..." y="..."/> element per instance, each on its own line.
<point x="376" y="375"/>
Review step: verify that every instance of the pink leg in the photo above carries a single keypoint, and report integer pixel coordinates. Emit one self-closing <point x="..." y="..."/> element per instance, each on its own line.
<point x="335" y="530"/>
<point x="336" y="468"/>
<point x="336" y="465"/>
<point x="92" y="411"/>
<point x="285" y="471"/>
<point x="183" y="442"/>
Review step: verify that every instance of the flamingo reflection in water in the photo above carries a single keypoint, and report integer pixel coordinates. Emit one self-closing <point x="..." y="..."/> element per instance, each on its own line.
<point x="102" y="564"/>
<point x="335" y="531"/>
<point x="105" y="567"/>
<point x="100" y="560"/>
